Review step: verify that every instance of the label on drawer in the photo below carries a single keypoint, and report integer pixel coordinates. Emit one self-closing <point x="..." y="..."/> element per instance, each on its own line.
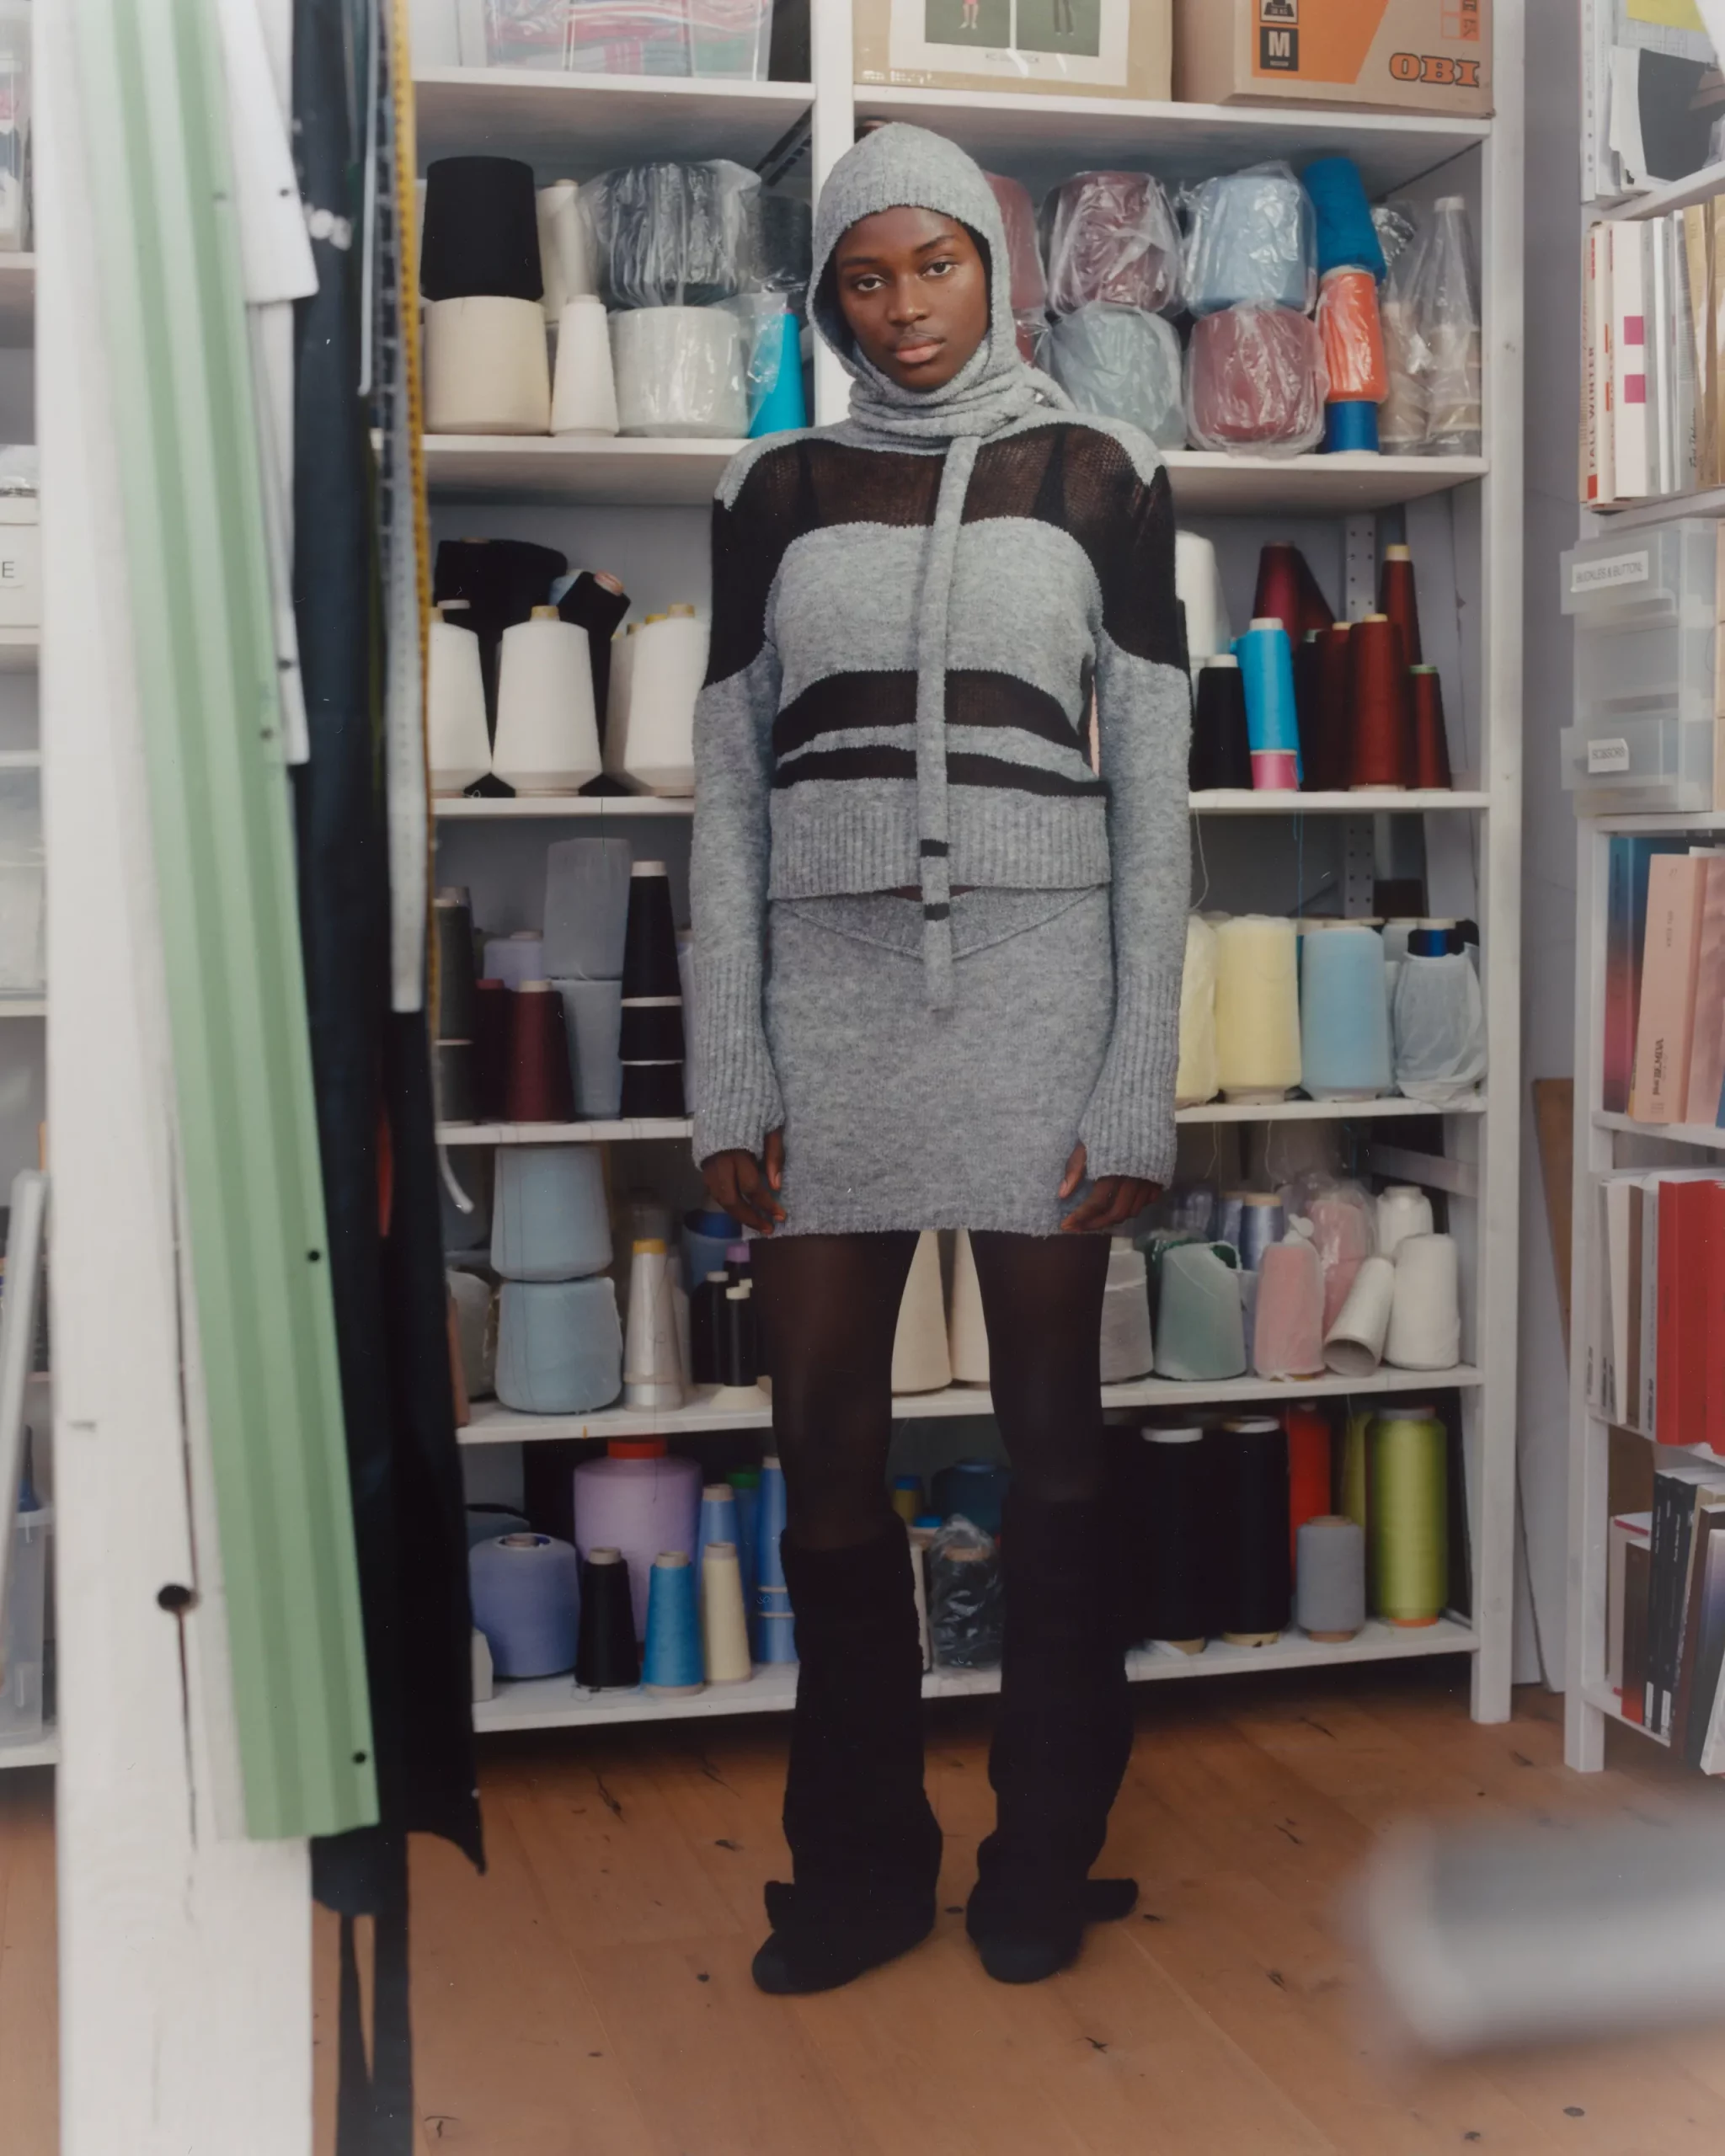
<point x="1610" y="570"/>
<point x="1609" y="754"/>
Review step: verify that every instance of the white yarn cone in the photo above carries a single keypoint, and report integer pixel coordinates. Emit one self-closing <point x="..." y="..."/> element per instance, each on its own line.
<point x="724" y="1629"/>
<point x="548" y="738"/>
<point x="1425" y="1317"/>
<point x="652" y="1370"/>
<point x="967" y="1334"/>
<point x="1402" y="1210"/>
<point x="1127" y="1351"/>
<point x="1197" y="583"/>
<point x="1354" y="1345"/>
<point x="585" y="400"/>
<point x="486" y="370"/>
<point x="565" y="258"/>
<point x="457" y="743"/>
<point x="617" y="695"/>
<point x="653" y="750"/>
<point x="920" y="1362"/>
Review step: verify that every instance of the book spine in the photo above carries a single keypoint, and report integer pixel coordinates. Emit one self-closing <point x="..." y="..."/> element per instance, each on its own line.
<point x="1636" y="1388"/>
<point x="1604" y="387"/>
<point x="1650" y="1210"/>
<point x="1696" y="251"/>
<point x="1706" y="1046"/>
<point x="1657" y="1560"/>
<point x="1680" y="334"/>
<point x="1675" y="886"/>
<point x="1655" y="363"/>
<point x="1629" y="375"/>
<point x="1671" y="1288"/>
<point x="1589" y="479"/>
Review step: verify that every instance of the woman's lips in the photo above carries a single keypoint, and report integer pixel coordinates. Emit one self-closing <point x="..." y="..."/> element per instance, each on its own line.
<point x="911" y="355"/>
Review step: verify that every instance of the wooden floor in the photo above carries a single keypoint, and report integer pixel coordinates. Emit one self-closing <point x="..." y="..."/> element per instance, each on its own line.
<point x="591" y="1994"/>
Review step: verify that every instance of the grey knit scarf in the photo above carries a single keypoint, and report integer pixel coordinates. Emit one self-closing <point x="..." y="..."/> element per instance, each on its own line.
<point x="896" y="168"/>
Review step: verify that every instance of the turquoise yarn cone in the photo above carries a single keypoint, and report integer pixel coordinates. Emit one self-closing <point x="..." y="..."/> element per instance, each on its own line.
<point x="673" y="1662"/>
<point x="782" y="406"/>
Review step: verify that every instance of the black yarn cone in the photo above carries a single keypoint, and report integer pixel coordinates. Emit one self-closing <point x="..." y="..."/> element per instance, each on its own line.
<point x="650" y="939"/>
<point x="595" y="607"/>
<point x="454" y="1016"/>
<point x="1175" y="1514"/>
<point x="482" y="231"/>
<point x="652" y="1089"/>
<point x="1258" y="1586"/>
<point x="1306" y="662"/>
<point x="652" y="1032"/>
<point x="706" y="1328"/>
<point x="606" y="1656"/>
<point x="739" y="1347"/>
<point x="1221" y="748"/>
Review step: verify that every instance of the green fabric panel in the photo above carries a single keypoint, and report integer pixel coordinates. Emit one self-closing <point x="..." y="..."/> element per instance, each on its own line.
<point x="152" y="95"/>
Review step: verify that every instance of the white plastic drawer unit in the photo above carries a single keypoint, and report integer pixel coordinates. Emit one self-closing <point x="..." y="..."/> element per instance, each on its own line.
<point x="1645" y="606"/>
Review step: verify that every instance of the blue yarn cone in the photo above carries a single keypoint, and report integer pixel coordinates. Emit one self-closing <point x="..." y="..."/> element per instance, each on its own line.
<point x="769" y="1567"/>
<point x="1351" y="422"/>
<point x="782" y="406"/>
<point x="673" y="1661"/>
<point x="748" y="1521"/>
<point x="774" y="1629"/>
<point x="718" y="1518"/>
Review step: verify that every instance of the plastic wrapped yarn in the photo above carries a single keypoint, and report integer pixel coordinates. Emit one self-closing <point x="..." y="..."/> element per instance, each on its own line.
<point x="1402" y="417"/>
<point x="1339" y="1215"/>
<point x="1197" y="1079"/>
<point x="1124" y="363"/>
<point x="1255" y="381"/>
<point x="1250" y="242"/>
<point x="565" y="261"/>
<point x="966" y="1607"/>
<point x="1112" y="237"/>
<point x="1438" y="1020"/>
<point x="680" y="370"/>
<point x="1353" y="337"/>
<point x="1448" y="308"/>
<point x="1288" y="1339"/>
<point x="671" y="235"/>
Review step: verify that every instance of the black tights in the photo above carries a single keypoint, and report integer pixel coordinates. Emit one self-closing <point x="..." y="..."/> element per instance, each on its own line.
<point x="831" y="1303"/>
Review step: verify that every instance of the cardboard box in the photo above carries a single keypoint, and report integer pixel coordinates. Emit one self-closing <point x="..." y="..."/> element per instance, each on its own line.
<point x="1391" y="56"/>
<point x="1062" y="48"/>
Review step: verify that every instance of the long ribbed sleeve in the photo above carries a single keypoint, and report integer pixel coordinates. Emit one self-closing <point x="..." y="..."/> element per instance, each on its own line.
<point x="1143" y="700"/>
<point x="738" y="1099"/>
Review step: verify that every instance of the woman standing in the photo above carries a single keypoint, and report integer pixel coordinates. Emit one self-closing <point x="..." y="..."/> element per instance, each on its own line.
<point x="940" y="884"/>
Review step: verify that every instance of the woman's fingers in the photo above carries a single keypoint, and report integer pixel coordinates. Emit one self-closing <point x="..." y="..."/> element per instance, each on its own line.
<point x="1113" y="1201"/>
<point x="740" y="1188"/>
<point x="1088" y="1218"/>
<point x="1075" y="1173"/>
<point x="776" y="1158"/>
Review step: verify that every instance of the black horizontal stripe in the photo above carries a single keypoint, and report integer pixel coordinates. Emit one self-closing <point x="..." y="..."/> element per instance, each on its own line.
<point x="977" y="697"/>
<point x="935" y="849"/>
<point x="974" y="696"/>
<point x="936" y="912"/>
<point x="882" y="762"/>
<point x="1026" y="778"/>
<point x="847" y="763"/>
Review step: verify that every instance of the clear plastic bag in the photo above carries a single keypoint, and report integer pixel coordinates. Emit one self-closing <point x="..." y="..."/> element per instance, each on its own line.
<point x="1255" y="381"/>
<point x="591" y="37"/>
<point x="1110" y="237"/>
<point x="1448" y="309"/>
<point x="1439" y="1022"/>
<point x="680" y="370"/>
<point x="966" y="1605"/>
<point x="1342" y="1219"/>
<point x="1402" y="417"/>
<point x="670" y="235"/>
<point x="781" y="243"/>
<point x="1353" y="335"/>
<point x="1250" y="242"/>
<point x="1122" y="362"/>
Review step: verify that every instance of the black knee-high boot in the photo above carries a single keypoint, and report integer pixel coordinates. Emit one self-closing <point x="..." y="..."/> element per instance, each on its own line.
<point x="866" y="1845"/>
<point x="1061" y="1745"/>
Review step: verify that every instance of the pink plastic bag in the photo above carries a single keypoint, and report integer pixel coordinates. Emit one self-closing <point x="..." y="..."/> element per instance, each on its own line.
<point x="1288" y="1339"/>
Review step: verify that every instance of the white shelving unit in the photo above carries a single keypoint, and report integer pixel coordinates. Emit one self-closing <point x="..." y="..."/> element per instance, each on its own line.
<point x="643" y="502"/>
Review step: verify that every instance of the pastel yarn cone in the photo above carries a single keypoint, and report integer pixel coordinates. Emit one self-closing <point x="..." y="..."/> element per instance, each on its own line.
<point x="548" y="734"/>
<point x="725" y="1627"/>
<point x="780" y="405"/>
<point x="653" y="1372"/>
<point x="920" y="1359"/>
<point x="458" y="744"/>
<point x="486" y="369"/>
<point x="967" y="1334"/>
<point x="584" y="401"/>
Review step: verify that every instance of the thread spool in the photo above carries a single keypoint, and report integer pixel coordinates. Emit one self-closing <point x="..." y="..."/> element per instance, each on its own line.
<point x="775" y="1637"/>
<point x="1197" y="1078"/>
<point x="745" y="1482"/>
<point x="920" y="1360"/>
<point x="498" y="583"/>
<point x="1380" y="735"/>
<point x="1271" y="718"/>
<point x="651" y="748"/>
<point x="1123" y="363"/>
<point x="1425" y="1313"/>
<point x="650" y="936"/>
<point x="1288" y="1337"/>
<point x="707" y="1329"/>
<point x="540" y="1087"/>
<point x="652" y="1371"/>
<point x="1112" y="240"/>
<point x="1250" y="243"/>
<point x="1398" y="599"/>
<point x="1353" y="1481"/>
<point x="476" y="1332"/>
<point x="1329" y="1579"/>
<point x="906" y="1497"/>
<point x="1221" y="757"/>
<point x="547" y="737"/>
<point x="549" y="1217"/>
<point x="515" y="958"/>
<point x="1200" y="1333"/>
<point x="592" y="1013"/>
<point x="1255" y="381"/>
<point x="1256" y="1590"/>
<point x="1344" y="1017"/>
<point x="481" y="230"/>
<point x="1175" y="1526"/>
<point x="454" y="1094"/>
<point x="672" y="1667"/>
<point x="1353" y="1346"/>
<point x="1254" y="1221"/>
<point x="1198" y="586"/>
<point x="1310" y="1470"/>
<point x="595" y="601"/>
<point x="606" y="1656"/>
<point x="639" y="1499"/>
<point x="1408" y="1535"/>
<point x="1403" y="1209"/>
<point x="617" y="697"/>
<point x="1431" y="739"/>
<point x="707" y="1235"/>
<point x="565" y="258"/>
<point x="1258" y="1008"/>
<point x="679" y="371"/>
<point x="967" y="1332"/>
<point x="486" y="371"/>
<point x="1127" y="1351"/>
<point x="1352" y="338"/>
<point x="724" y="1624"/>
<point x="1350" y="427"/>
<point x="1329" y="737"/>
<point x="718" y="1518"/>
<point x="525" y="1591"/>
<point x="584" y="396"/>
<point x="1288" y="592"/>
<point x="1343" y="231"/>
<point x="454" y="1018"/>
<point x="974" y="1490"/>
<point x="652" y="1092"/>
<point x="651" y="1029"/>
<point x="457" y="740"/>
<point x="776" y="403"/>
<point x="739" y="1359"/>
<point x="559" y="1346"/>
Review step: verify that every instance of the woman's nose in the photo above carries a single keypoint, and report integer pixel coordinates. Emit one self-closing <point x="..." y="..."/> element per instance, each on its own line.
<point x="906" y="304"/>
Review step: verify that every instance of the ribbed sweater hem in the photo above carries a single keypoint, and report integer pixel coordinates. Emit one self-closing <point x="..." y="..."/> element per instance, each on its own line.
<point x="835" y="837"/>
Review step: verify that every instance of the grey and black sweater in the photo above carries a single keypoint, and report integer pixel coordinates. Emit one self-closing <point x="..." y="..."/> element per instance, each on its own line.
<point x="907" y="633"/>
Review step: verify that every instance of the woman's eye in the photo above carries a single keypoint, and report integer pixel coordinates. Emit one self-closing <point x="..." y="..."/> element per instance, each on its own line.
<point x="940" y="269"/>
<point x="869" y="283"/>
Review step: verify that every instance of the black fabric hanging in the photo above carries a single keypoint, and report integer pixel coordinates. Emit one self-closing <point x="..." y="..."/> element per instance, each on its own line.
<point x="370" y="1071"/>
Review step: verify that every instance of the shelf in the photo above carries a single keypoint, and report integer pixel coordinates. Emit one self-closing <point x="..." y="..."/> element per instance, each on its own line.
<point x="493" y="1424"/>
<point x="23" y="1006"/>
<point x="462" y="807"/>
<point x="1207" y="481"/>
<point x="1670" y="819"/>
<point x="1675" y="1133"/>
<point x="18" y="299"/>
<point x="1673" y="195"/>
<point x="1606" y="1699"/>
<point x="1702" y="1453"/>
<point x="1041" y="140"/>
<point x="43" y="1752"/>
<point x="1706" y="501"/>
<point x="571" y="126"/>
<point x="479" y="807"/>
<point x="583" y="471"/>
<point x="20" y="649"/>
<point x="676" y="1127"/>
<point x="555" y="1703"/>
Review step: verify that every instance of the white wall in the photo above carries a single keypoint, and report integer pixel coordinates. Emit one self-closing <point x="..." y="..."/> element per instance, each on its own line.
<point x="1548" y="868"/>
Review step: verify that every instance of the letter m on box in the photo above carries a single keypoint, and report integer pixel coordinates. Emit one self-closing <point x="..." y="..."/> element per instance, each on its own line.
<point x="1279" y="50"/>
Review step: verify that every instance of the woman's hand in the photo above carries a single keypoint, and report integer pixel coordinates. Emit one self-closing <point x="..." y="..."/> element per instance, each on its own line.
<point x="745" y="1187"/>
<point x="1110" y="1205"/>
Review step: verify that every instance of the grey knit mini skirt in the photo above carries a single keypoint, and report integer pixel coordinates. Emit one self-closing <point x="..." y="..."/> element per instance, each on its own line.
<point x="897" y="1115"/>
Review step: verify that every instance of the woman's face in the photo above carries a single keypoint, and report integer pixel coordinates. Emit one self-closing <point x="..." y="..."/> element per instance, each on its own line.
<point x="914" y="289"/>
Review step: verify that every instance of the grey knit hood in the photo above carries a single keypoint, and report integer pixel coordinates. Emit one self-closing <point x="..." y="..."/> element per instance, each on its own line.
<point x="898" y="168"/>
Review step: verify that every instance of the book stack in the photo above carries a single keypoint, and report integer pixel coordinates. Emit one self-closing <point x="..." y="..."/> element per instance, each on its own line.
<point x="1652" y="376"/>
<point x="1664" y="1002"/>
<point x="1665" y="1613"/>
